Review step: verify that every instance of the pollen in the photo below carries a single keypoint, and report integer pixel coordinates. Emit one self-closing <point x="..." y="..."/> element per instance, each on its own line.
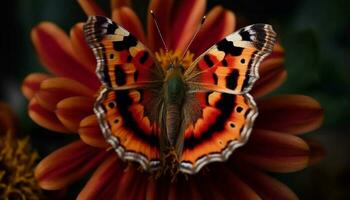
<point x="17" y="162"/>
<point x="164" y="58"/>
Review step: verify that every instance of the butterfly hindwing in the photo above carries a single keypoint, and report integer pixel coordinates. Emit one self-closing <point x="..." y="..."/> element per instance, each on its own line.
<point x="129" y="75"/>
<point x="123" y="122"/>
<point x="220" y="79"/>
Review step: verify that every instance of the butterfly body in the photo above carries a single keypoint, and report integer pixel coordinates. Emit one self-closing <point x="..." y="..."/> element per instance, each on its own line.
<point x="193" y="115"/>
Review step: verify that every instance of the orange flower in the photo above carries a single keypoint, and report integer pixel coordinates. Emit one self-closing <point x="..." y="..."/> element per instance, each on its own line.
<point x="63" y="102"/>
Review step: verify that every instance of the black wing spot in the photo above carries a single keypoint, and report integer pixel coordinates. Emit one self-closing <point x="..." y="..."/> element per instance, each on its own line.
<point x="208" y="61"/>
<point x="129" y="58"/>
<point x="224" y="62"/>
<point x="125" y="44"/>
<point x="111" y="56"/>
<point x="111" y="104"/>
<point x="232" y="79"/>
<point x="120" y="75"/>
<point x="215" y="77"/>
<point x="245" y="35"/>
<point x="242" y="60"/>
<point x="239" y="109"/>
<point x="136" y="75"/>
<point x="232" y="125"/>
<point x="229" y="48"/>
<point x="116" y="121"/>
<point x="144" y="57"/>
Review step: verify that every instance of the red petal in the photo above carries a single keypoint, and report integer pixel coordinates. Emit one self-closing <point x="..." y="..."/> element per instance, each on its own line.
<point x="31" y="84"/>
<point x="295" y="114"/>
<point x="72" y="110"/>
<point x="219" y="23"/>
<point x="275" y="152"/>
<point x="68" y="164"/>
<point x="186" y="19"/>
<point x="161" y="9"/>
<point x="272" y="75"/>
<point x="115" y="4"/>
<point x="56" y="53"/>
<point x="129" y="20"/>
<point x="90" y="132"/>
<point x="82" y="51"/>
<point x="229" y="184"/>
<point x="265" y="186"/>
<point x="104" y="182"/>
<point x="91" y="8"/>
<point x="45" y="118"/>
<point x="132" y="183"/>
<point x="54" y="90"/>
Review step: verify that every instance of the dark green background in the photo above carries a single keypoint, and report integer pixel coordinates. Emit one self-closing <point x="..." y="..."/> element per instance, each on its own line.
<point x="315" y="35"/>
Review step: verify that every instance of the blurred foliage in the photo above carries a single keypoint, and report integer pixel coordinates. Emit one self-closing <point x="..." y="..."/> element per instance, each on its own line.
<point x="315" y="35"/>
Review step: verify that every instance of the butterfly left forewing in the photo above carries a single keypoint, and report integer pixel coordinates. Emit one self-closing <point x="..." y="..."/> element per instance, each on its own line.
<point x="219" y="81"/>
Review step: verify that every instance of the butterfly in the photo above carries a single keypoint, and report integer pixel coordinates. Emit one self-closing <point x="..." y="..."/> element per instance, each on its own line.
<point x="172" y="116"/>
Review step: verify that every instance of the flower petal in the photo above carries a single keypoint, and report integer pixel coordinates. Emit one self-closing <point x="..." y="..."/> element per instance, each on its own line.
<point x="115" y="4"/>
<point x="265" y="186"/>
<point x="31" y="84"/>
<point x="54" y="90"/>
<point x="129" y="20"/>
<point x="127" y="182"/>
<point x="56" y="53"/>
<point x="230" y="185"/>
<point x="218" y="24"/>
<point x="44" y="117"/>
<point x="90" y="132"/>
<point x="161" y="9"/>
<point x="186" y="19"/>
<point x="91" y="8"/>
<point x="70" y="111"/>
<point x="82" y="51"/>
<point x="103" y="183"/>
<point x="317" y="152"/>
<point x="68" y="164"/>
<point x="275" y="152"/>
<point x="272" y="75"/>
<point x="209" y="189"/>
<point x="295" y="114"/>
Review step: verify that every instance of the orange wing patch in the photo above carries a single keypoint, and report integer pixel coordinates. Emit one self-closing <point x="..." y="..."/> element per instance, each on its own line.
<point x="223" y="126"/>
<point x="127" y="128"/>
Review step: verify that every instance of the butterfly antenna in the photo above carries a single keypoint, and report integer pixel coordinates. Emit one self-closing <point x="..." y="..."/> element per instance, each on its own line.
<point x="161" y="37"/>
<point x="193" y="37"/>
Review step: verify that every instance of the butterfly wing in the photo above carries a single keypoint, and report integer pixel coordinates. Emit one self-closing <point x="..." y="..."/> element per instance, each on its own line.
<point x="131" y="79"/>
<point x="122" y="60"/>
<point x="231" y="66"/>
<point x="219" y="81"/>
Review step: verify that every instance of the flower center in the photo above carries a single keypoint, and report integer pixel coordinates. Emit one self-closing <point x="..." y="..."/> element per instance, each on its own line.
<point x="17" y="162"/>
<point x="164" y="57"/>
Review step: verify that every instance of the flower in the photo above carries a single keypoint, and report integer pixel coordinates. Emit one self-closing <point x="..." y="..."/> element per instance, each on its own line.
<point x="17" y="161"/>
<point x="63" y="100"/>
